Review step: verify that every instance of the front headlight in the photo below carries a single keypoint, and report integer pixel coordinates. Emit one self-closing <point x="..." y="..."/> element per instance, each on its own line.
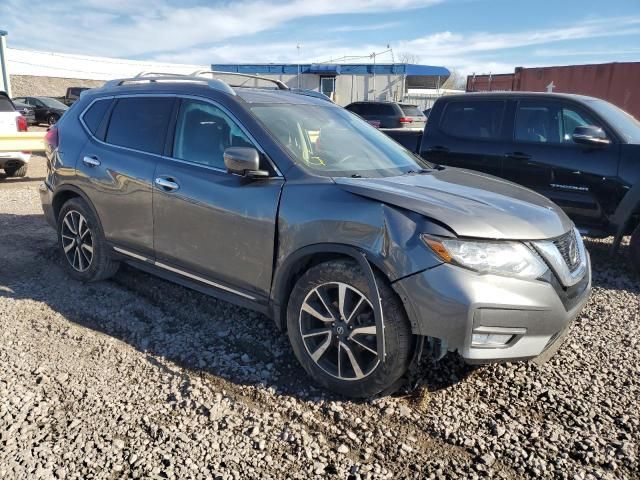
<point x="513" y="259"/>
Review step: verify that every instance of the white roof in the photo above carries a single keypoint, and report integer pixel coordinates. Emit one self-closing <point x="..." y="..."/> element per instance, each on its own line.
<point x="52" y="64"/>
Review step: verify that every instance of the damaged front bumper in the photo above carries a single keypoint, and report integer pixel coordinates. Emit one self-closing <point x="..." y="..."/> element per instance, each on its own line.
<point x="491" y="318"/>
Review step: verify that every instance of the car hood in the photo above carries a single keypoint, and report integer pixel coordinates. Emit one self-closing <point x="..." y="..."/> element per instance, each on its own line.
<point x="471" y="204"/>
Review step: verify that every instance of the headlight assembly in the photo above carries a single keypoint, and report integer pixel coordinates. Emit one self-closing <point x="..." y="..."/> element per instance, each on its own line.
<point x="512" y="259"/>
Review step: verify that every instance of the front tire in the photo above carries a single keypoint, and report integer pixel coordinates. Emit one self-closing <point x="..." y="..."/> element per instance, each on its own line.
<point x="20" y="171"/>
<point x="82" y="243"/>
<point x="634" y="248"/>
<point x="332" y="330"/>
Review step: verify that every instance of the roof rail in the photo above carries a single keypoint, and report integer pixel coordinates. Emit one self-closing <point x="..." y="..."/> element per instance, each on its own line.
<point x="158" y="74"/>
<point x="171" y="77"/>
<point x="279" y="84"/>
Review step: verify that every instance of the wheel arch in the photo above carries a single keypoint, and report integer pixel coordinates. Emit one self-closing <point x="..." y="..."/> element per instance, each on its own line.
<point x="301" y="260"/>
<point x="66" y="193"/>
<point x="627" y="211"/>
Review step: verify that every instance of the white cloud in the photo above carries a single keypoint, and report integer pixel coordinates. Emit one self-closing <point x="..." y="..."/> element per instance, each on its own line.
<point x="366" y="27"/>
<point x="142" y="28"/>
<point x="189" y="32"/>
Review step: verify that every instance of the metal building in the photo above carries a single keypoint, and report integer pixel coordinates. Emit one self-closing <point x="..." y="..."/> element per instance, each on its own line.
<point x="346" y="83"/>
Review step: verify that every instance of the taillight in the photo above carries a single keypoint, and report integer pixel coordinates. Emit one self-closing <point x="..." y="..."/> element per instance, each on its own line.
<point x="21" y="123"/>
<point x="405" y="120"/>
<point x="51" y="137"/>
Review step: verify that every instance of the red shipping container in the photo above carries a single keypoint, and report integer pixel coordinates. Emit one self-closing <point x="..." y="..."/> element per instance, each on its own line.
<point x="618" y="83"/>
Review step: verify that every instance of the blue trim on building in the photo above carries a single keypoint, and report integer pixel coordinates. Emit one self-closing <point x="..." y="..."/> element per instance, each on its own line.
<point x="335" y="69"/>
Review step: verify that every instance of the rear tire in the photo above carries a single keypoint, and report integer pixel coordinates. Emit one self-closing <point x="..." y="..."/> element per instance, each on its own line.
<point x="634" y="248"/>
<point x="330" y="349"/>
<point x="52" y="119"/>
<point x="85" y="252"/>
<point x="20" y="171"/>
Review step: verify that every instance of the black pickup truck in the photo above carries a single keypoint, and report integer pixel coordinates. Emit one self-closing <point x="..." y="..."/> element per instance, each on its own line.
<point x="581" y="152"/>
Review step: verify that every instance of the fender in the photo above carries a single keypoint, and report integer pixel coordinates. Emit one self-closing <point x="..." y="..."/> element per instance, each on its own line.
<point x="72" y="188"/>
<point x="279" y="290"/>
<point x="627" y="207"/>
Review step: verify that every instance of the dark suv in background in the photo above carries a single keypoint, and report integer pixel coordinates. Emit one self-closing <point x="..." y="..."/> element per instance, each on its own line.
<point x="290" y="205"/>
<point x="389" y="114"/>
<point x="582" y="153"/>
<point x="46" y="109"/>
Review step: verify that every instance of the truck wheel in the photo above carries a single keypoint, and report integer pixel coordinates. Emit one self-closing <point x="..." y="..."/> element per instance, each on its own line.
<point x="332" y="329"/>
<point x="82" y="242"/>
<point x="634" y="248"/>
<point x="20" y="171"/>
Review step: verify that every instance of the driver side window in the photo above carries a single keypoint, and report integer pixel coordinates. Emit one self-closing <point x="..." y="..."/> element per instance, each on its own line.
<point x="203" y="132"/>
<point x="572" y="119"/>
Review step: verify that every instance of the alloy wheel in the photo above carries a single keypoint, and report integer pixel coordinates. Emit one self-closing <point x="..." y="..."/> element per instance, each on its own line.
<point x="338" y="329"/>
<point x="77" y="241"/>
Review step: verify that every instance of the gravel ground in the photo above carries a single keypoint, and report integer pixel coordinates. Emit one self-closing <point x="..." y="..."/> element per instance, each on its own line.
<point x="139" y="378"/>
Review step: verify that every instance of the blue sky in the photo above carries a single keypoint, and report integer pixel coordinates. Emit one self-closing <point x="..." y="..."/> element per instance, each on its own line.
<point x="469" y="35"/>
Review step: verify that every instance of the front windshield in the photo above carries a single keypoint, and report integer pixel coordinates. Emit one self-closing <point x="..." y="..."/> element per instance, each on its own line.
<point x="336" y="143"/>
<point x="623" y="122"/>
<point x="52" y="103"/>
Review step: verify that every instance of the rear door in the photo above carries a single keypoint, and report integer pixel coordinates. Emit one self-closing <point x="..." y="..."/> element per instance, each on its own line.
<point x="470" y="134"/>
<point x="542" y="156"/>
<point x="208" y="223"/>
<point x="116" y="167"/>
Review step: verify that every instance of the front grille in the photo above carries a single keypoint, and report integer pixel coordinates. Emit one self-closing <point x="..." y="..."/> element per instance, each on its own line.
<point x="567" y="245"/>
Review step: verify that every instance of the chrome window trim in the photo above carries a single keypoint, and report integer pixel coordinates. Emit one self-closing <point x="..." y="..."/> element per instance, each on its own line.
<point x="191" y="97"/>
<point x="182" y="272"/>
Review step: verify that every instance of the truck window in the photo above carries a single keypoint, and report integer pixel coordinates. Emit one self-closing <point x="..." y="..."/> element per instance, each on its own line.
<point x="572" y="119"/>
<point x="473" y="119"/>
<point x="538" y="122"/>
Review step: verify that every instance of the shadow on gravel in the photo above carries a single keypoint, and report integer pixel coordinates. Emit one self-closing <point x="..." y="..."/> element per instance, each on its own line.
<point x="195" y="331"/>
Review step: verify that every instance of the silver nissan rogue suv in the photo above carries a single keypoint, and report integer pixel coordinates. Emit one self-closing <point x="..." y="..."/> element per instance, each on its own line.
<point x="360" y="251"/>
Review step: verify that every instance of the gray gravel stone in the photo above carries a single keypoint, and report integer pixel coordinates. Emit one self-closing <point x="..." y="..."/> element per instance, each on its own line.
<point x="139" y="378"/>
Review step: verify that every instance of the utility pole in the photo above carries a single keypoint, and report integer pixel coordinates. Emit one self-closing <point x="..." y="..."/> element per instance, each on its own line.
<point x="298" y="48"/>
<point x="374" y="75"/>
<point x="4" y="69"/>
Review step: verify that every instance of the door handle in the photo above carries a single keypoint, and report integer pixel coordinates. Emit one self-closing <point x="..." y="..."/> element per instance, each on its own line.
<point x="91" y="161"/>
<point x="518" y="156"/>
<point x="167" y="184"/>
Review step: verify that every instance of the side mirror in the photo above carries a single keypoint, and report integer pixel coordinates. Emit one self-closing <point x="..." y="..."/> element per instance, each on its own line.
<point x="244" y="161"/>
<point x="590" y="135"/>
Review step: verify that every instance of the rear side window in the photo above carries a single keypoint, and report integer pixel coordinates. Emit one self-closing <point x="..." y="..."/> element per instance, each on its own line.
<point x="140" y="123"/>
<point x="480" y="120"/>
<point x="5" y="104"/>
<point x="93" y="117"/>
<point x="411" y="111"/>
